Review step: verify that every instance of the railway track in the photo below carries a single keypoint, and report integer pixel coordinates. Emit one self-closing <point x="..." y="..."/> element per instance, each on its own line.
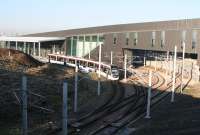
<point x="132" y="111"/>
<point x="155" y="99"/>
<point x="132" y="114"/>
<point x="119" y="111"/>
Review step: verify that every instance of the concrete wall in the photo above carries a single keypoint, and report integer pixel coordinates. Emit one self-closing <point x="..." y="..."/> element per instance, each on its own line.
<point x="191" y="67"/>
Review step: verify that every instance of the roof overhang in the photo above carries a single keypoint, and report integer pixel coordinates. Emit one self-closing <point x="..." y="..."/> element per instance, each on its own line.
<point x="31" y="39"/>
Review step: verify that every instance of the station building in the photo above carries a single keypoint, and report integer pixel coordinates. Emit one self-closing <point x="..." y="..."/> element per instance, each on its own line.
<point x="138" y="39"/>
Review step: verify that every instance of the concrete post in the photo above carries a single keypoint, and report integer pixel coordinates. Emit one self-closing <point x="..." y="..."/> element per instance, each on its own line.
<point x="144" y="61"/>
<point x="174" y="74"/>
<point x="149" y="97"/>
<point x="76" y="88"/>
<point x="125" y="63"/>
<point x="155" y="63"/>
<point x="182" y="69"/>
<point x="111" y="58"/>
<point x="65" y="96"/>
<point x="39" y="49"/>
<point x="34" y="54"/>
<point x="24" y="106"/>
<point x="99" y="75"/>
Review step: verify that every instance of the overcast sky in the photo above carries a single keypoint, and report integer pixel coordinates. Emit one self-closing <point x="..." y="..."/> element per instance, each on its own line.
<point x="30" y="16"/>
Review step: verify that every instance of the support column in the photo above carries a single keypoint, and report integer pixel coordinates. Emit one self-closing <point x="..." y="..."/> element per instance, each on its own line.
<point x="99" y="75"/>
<point x="72" y="41"/>
<point x="90" y="46"/>
<point x="28" y="48"/>
<point x="24" y="49"/>
<point x="34" y="49"/>
<point x="83" y="53"/>
<point x="54" y="49"/>
<point x="8" y="44"/>
<point x="16" y="47"/>
<point x="77" y="47"/>
<point x="174" y="74"/>
<point x="39" y="49"/>
<point x="65" y="47"/>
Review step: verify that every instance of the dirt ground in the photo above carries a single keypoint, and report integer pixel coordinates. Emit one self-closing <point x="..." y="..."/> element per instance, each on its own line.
<point x="44" y="83"/>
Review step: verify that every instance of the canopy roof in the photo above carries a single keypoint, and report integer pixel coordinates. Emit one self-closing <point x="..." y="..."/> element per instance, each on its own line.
<point x="31" y="39"/>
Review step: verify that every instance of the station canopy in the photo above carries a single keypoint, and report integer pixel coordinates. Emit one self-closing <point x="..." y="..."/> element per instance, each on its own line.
<point x="30" y="39"/>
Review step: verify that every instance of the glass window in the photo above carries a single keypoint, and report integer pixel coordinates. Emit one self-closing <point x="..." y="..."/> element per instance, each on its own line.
<point x="127" y="38"/>
<point x="162" y="38"/>
<point x="135" y="38"/>
<point x="114" y="39"/>
<point x="87" y="38"/>
<point x="194" y="39"/>
<point x="81" y="38"/>
<point x="153" y="41"/>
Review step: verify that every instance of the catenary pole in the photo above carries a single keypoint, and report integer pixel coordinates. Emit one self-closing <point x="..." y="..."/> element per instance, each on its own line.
<point x="99" y="74"/>
<point x="182" y="69"/>
<point x="166" y="70"/>
<point x="24" y="106"/>
<point x="65" y="96"/>
<point x="174" y="74"/>
<point x="111" y="58"/>
<point x="76" y="88"/>
<point x="149" y="97"/>
<point x="125" y="66"/>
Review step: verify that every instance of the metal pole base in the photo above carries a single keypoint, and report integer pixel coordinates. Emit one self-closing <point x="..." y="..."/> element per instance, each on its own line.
<point x="147" y="117"/>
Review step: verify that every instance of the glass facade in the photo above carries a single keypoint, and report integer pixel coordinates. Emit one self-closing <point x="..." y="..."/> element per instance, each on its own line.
<point x="80" y="46"/>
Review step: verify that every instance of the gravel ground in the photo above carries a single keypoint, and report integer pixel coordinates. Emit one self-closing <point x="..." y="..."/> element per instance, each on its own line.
<point x="178" y="118"/>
